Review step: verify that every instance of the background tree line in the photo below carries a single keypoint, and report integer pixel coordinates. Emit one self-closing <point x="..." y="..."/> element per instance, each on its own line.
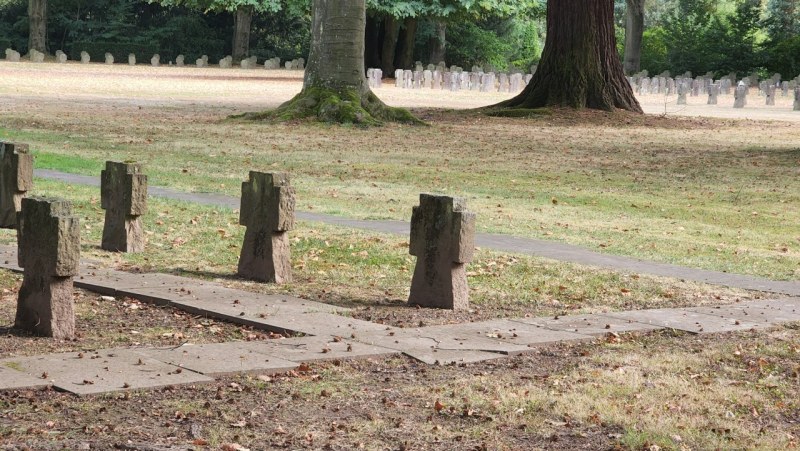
<point x="721" y="36"/>
<point x="501" y="33"/>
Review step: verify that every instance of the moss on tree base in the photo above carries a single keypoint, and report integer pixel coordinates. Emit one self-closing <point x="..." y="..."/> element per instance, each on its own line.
<point x="346" y="106"/>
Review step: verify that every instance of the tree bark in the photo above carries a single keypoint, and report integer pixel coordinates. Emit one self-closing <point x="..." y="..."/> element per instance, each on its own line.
<point x="37" y="19"/>
<point x="438" y="43"/>
<point x="634" y="29"/>
<point x="405" y="44"/>
<point x="241" y="32"/>
<point x="335" y="87"/>
<point x="580" y="66"/>
<point x="391" y="30"/>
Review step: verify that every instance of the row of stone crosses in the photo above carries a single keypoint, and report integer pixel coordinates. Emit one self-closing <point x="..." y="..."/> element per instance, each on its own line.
<point x="48" y="238"/>
<point x="180" y="61"/>
<point x="695" y="87"/>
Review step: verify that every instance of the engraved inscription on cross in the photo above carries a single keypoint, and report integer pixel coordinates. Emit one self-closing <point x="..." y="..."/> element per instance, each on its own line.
<point x="267" y="210"/>
<point x="49" y="251"/>
<point x="16" y="178"/>
<point x="123" y="195"/>
<point x="443" y="240"/>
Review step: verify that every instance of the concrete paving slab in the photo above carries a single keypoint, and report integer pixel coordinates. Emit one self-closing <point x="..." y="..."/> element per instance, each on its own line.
<point x="220" y="359"/>
<point x="104" y="371"/>
<point x="323" y="324"/>
<point x="686" y="320"/>
<point x="789" y="305"/>
<point x="440" y="338"/>
<point x="764" y="317"/>
<point x="449" y="357"/>
<point x="519" y="334"/>
<point x="310" y="349"/>
<point x="424" y="349"/>
<point x="595" y="325"/>
<point x="11" y="379"/>
<point x="109" y="281"/>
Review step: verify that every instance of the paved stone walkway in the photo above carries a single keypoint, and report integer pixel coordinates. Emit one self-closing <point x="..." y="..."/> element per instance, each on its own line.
<point x="504" y="243"/>
<point x="327" y="334"/>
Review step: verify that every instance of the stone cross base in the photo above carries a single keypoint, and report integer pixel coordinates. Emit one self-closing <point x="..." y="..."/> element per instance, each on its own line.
<point x="45" y="306"/>
<point x="264" y="256"/>
<point x="123" y="233"/>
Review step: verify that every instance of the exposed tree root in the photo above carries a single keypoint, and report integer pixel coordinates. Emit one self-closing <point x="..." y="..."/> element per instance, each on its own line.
<point x="346" y="106"/>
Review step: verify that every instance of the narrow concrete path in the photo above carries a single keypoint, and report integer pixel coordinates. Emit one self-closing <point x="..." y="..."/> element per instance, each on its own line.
<point x="505" y="243"/>
<point x="327" y="333"/>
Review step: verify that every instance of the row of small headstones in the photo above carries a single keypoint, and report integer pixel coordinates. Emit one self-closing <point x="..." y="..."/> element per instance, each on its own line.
<point x="454" y="81"/>
<point x="180" y="61"/>
<point x="48" y="237"/>
<point x="683" y="86"/>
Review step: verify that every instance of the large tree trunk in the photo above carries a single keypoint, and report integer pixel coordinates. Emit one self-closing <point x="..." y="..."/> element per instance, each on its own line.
<point x="405" y="44"/>
<point x="335" y="88"/>
<point x="37" y="19"/>
<point x="634" y="29"/>
<point x="391" y="30"/>
<point x="438" y="43"/>
<point x="241" y="32"/>
<point x="580" y="67"/>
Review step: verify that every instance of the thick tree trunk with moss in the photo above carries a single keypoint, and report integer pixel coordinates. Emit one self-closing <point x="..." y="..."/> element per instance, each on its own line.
<point x="243" y="18"/>
<point x="634" y="30"/>
<point x="37" y="20"/>
<point x="335" y="88"/>
<point x="580" y="66"/>
<point x="405" y="44"/>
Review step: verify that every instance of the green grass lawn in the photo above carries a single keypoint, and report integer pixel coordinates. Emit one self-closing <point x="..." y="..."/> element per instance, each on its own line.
<point x="704" y="193"/>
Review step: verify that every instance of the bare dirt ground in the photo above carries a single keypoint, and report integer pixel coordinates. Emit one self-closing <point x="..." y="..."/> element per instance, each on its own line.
<point x="660" y="391"/>
<point x="247" y="90"/>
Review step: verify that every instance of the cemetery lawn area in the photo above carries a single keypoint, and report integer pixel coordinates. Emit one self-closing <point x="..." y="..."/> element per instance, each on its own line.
<point x="719" y="193"/>
<point x="371" y="272"/>
<point x="707" y="192"/>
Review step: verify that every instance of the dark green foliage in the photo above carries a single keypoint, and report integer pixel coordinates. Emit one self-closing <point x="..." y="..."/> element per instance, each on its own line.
<point x="784" y="57"/>
<point x="697" y="37"/>
<point x="501" y="43"/>
<point x="137" y="26"/>
<point x="282" y="34"/>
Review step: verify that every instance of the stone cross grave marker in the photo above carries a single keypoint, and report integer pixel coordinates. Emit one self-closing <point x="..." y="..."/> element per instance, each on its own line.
<point x="16" y="178"/>
<point x="797" y="99"/>
<point x="49" y="252"/>
<point x="713" y="94"/>
<point x="769" y="93"/>
<point x="267" y="210"/>
<point x="123" y="195"/>
<point x="443" y="240"/>
<point x="740" y="96"/>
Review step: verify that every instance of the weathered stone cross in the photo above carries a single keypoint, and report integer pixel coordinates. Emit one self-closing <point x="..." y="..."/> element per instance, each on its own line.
<point x="49" y="251"/>
<point x="267" y="210"/>
<point x="443" y="240"/>
<point x="16" y="178"/>
<point x="123" y="195"/>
